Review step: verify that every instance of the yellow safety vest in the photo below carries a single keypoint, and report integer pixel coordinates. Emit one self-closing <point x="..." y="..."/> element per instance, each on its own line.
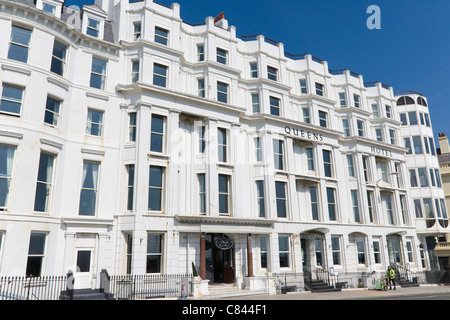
<point x="390" y="274"/>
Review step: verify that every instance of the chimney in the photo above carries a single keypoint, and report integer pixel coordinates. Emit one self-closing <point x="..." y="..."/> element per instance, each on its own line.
<point x="220" y="21"/>
<point x="443" y="143"/>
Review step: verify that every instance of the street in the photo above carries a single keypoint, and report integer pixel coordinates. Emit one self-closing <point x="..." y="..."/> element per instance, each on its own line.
<point x="409" y="293"/>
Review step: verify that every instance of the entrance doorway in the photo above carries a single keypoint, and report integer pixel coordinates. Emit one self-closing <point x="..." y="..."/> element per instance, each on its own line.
<point x="394" y="251"/>
<point x="219" y="255"/>
<point x="83" y="273"/>
<point x="313" y="254"/>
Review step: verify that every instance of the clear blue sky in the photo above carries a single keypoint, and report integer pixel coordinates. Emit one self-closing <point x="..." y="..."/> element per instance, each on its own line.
<point x="411" y="51"/>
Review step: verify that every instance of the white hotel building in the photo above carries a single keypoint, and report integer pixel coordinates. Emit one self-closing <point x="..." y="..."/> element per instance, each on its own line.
<point x="131" y="140"/>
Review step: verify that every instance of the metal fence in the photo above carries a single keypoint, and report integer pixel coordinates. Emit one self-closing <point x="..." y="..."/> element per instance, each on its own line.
<point x="32" y="288"/>
<point x="148" y="286"/>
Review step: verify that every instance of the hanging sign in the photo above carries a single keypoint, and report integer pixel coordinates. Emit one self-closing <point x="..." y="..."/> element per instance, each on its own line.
<point x="224" y="243"/>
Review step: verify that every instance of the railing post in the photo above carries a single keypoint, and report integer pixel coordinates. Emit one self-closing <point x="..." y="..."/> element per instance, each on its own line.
<point x="70" y="282"/>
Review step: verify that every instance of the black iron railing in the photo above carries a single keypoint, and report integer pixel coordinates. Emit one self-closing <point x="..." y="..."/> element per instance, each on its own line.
<point x="32" y="288"/>
<point x="148" y="286"/>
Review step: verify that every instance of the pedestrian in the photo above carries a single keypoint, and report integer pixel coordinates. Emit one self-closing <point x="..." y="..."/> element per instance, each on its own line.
<point x="390" y="275"/>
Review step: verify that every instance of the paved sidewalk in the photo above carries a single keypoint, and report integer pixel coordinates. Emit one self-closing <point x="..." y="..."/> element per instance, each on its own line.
<point x="352" y="294"/>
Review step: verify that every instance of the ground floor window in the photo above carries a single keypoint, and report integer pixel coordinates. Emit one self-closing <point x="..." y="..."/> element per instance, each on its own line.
<point x="336" y="250"/>
<point x="263" y="251"/>
<point x="376" y="251"/>
<point x="36" y="252"/>
<point x="154" y="253"/>
<point x="284" y="251"/>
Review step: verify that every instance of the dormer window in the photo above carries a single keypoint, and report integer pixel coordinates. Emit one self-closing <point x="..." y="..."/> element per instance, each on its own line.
<point x="93" y="18"/>
<point x="50" y="6"/>
<point x="47" y="7"/>
<point x="93" y="28"/>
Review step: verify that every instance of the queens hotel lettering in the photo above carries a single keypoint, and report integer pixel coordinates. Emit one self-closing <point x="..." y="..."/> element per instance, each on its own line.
<point x="304" y="134"/>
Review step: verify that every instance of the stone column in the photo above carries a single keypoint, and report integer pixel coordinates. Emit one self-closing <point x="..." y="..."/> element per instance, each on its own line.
<point x="202" y="257"/>
<point x="249" y="256"/>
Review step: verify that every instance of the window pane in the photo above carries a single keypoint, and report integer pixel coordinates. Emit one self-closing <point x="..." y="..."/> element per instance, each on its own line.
<point x="98" y="66"/>
<point x="155" y="179"/>
<point x="154" y="196"/>
<point x="20" y="40"/>
<point x="12" y="93"/>
<point x="283" y="243"/>
<point x="417" y="141"/>
<point x="97" y="81"/>
<point x="154" y="243"/>
<point x="223" y="184"/>
<point x="20" y="36"/>
<point x="37" y="243"/>
<point x="18" y="53"/>
<point x="87" y="202"/>
<point x="412" y="118"/>
<point x="161" y="36"/>
<point x="84" y="261"/>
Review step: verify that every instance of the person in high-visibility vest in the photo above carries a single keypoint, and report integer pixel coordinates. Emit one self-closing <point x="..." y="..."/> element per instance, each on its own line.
<point x="390" y="274"/>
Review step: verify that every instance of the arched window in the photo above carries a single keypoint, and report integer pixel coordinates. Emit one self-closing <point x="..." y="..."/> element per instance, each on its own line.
<point x="422" y="102"/>
<point x="409" y="100"/>
<point x="405" y="100"/>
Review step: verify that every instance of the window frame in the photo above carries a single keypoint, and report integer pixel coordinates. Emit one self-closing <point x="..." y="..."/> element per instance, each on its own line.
<point x="55" y="115"/>
<point x="281" y="199"/>
<point x="13" y="44"/>
<point x="90" y="124"/>
<point x="303" y="86"/>
<point x="47" y="183"/>
<point x="320" y="89"/>
<point x="201" y="179"/>
<point x="132" y="126"/>
<point x="130" y="170"/>
<point x="284" y="255"/>
<point x="159" y="253"/>
<point x="323" y="119"/>
<point x="224" y="195"/>
<point x="272" y="73"/>
<point x="278" y="154"/>
<point x="160" y="188"/>
<point x="135" y="70"/>
<point x="328" y="167"/>
<point x="163" y="37"/>
<point x="201" y="90"/>
<point x="221" y="56"/>
<point x="223" y="96"/>
<point x="12" y="100"/>
<point x="275" y="108"/>
<point x="10" y="153"/>
<point x="93" y="30"/>
<point x="158" y="136"/>
<point x="137" y="33"/>
<point x="254" y="72"/>
<point x="101" y="76"/>
<point x="222" y="145"/>
<point x="200" y="52"/>
<point x="260" y="198"/>
<point x="94" y="189"/>
<point x="39" y="254"/>
<point x="59" y="60"/>
<point x="160" y="79"/>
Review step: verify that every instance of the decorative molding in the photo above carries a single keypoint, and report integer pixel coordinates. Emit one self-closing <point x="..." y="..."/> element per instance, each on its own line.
<point x="52" y="143"/>
<point x="7" y="67"/>
<point x="10" y="134"/>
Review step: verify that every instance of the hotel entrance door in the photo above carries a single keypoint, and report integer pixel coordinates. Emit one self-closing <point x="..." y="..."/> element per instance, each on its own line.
<point x="219" y="254"/>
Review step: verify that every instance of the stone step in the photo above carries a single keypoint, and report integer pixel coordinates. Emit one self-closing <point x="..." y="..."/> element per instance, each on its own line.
<point x="218" y="291"/>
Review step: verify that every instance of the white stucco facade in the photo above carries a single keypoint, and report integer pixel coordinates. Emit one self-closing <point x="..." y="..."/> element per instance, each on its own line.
<point x="167" y="134"/>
